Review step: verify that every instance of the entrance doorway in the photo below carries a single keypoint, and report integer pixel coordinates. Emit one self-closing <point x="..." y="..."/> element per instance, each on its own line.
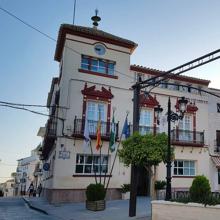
<point x="143" y="182"/>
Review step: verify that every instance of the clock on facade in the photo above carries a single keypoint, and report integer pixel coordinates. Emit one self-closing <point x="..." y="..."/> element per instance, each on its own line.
<point x="99" y="49"/>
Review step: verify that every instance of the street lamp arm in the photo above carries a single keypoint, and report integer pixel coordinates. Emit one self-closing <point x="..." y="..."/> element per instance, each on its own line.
<point x="207" y="58"/>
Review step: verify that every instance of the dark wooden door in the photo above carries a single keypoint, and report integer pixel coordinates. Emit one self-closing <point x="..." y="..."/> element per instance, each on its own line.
<point x="143" y="184"/>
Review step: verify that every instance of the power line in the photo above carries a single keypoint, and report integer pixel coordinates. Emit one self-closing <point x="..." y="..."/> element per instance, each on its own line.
<point x="48" y="36"/>
<point x="188" y="86"/>
<point x="34" y="112"/>
<point x="181" y="69"/>
<point x="31" y="105"/>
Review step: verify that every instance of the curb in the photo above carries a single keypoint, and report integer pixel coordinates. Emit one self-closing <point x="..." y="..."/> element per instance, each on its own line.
<point x="29" y="203"/>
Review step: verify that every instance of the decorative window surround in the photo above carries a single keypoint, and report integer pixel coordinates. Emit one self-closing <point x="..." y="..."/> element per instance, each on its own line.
<point x="192" y="109"/>
<point x="90" y="93"/>
<point x="149" y="102"/>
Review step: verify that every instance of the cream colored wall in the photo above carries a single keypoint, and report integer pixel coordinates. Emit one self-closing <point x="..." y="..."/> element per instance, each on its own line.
<point x="71" y="84"/>
<point x="163" y="210"/>
<point x="214" y="124"/>
<point x="197" y="154"/>
<point x="65" y="169"/>
<point x="73" y="81"/>
<point x="214" y="119"/>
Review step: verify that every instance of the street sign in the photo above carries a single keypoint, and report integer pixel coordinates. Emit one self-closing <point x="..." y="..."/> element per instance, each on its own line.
<point x="46" y="166"/>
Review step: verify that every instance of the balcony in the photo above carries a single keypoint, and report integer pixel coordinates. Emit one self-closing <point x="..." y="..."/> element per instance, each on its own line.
<point x="145" y="129"/>
<point x="50" y="137"/>
<point x="187" y="138"/>
<point x="79" y="125"/>
<point x="51" y="128"/>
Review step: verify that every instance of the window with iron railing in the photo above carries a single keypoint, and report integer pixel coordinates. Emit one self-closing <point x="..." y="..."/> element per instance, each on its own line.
<point x="146" y="121"/>
<point x="96" y="111"/>
<point x="186" y="125"/>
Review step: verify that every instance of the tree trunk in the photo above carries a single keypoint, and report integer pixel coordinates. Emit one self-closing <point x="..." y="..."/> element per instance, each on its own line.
<point x="153" y="191"/>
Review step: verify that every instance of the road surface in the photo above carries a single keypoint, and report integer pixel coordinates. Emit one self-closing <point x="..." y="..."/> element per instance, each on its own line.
<point x="15" y="208"/>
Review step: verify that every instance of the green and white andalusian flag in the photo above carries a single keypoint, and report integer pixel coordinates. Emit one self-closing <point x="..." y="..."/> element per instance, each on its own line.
<point x="112" y="135"/>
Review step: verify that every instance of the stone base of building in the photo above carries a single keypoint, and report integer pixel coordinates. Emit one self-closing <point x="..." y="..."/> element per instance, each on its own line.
<point x="75" y="195"/>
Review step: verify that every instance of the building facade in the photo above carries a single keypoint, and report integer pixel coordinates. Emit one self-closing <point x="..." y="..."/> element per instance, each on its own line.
<point x="8" y="188"/>
<point x="96" y="77"/>
<point x="28" y="171"/>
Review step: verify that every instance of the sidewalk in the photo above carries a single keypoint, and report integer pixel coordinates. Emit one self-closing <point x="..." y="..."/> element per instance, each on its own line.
<point x="115" y="210"/>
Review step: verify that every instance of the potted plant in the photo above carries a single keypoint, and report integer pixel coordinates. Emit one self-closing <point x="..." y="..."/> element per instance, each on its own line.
<point x="160" y="188"/>
<point x="125" y="191"/>
<point x="95" y="197"/>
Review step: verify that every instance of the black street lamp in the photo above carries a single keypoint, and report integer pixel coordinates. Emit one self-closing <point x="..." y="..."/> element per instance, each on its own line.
<point x="171" y="117"/>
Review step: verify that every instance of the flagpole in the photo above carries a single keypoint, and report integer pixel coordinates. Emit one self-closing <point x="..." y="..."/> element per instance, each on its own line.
<point x="109" y="145"/>
<point x="116" y="153"/>
<point x="106" y="168"/>
<point x="100" y="178"/>
<point x="90" y="143"/>
<point x="113" y="122"/>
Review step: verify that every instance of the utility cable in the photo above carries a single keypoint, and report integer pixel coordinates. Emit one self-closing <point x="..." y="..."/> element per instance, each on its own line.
<point x="34" y="112"/>
<point x="30" y="105"/>
<point x="191" y="87"/>
<point x="48" y="36"/>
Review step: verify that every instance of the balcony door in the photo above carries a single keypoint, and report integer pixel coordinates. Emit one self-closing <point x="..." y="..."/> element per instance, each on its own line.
<point x="185" y="128"/>
<point x="94" y="111"/>
<point x="146" y="121"/>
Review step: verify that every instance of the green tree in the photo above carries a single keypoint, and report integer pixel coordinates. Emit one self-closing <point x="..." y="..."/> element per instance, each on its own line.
<point x="145" y="150"/>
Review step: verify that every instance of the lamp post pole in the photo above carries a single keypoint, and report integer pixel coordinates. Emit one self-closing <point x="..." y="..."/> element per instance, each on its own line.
<point x="136" y="116"/>
<point x="168" y="188"/>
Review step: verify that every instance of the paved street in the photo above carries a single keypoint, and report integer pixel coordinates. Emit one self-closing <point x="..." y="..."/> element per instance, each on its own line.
<point x="16" y="209"/>
<point x="115" y="210"/>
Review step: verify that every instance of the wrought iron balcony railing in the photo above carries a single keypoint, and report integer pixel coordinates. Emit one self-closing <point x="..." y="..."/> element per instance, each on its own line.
<point x="188" y="138"/>
<point x="49" y="138"/>
<point x="51" y="127"/>
<point x="79" y="125"/>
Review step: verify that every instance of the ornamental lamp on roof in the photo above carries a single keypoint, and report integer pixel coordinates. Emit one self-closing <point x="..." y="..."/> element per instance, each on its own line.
<point x="95" y="19"/>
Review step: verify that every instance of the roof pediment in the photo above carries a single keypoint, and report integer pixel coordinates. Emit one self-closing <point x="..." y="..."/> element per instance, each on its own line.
<point x="148" y="101"/>
<point x="92" y="91"/>
<point x="90" y="33"/>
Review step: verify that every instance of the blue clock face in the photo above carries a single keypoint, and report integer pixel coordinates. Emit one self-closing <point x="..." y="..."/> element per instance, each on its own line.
<point x="99" y="49"/>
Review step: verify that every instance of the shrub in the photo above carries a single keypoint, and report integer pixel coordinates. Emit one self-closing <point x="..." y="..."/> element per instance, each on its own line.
<point x="95" y="192"/>
<point x="125" y="188"/>
<point x="160" y="184"/>
<point x="200" y="190"/>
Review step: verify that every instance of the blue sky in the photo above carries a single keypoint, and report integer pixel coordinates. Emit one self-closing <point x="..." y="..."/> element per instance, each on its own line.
<point x="169" y="33"/>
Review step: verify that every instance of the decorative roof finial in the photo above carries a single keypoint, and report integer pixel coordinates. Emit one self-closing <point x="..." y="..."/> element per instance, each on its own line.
<point x="96" y="19"/>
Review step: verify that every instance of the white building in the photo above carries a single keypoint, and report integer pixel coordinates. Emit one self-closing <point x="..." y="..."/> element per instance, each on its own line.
<point x="26" y="172"/>
<point x="8" y="188"/>
<point x="96" y="75"/>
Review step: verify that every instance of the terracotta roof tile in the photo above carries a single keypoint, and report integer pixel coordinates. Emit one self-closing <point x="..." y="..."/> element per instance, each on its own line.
<point x="172" y="76"/>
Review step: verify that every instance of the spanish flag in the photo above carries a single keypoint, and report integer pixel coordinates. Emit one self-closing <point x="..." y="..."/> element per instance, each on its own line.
<point x="98" y="138"/>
